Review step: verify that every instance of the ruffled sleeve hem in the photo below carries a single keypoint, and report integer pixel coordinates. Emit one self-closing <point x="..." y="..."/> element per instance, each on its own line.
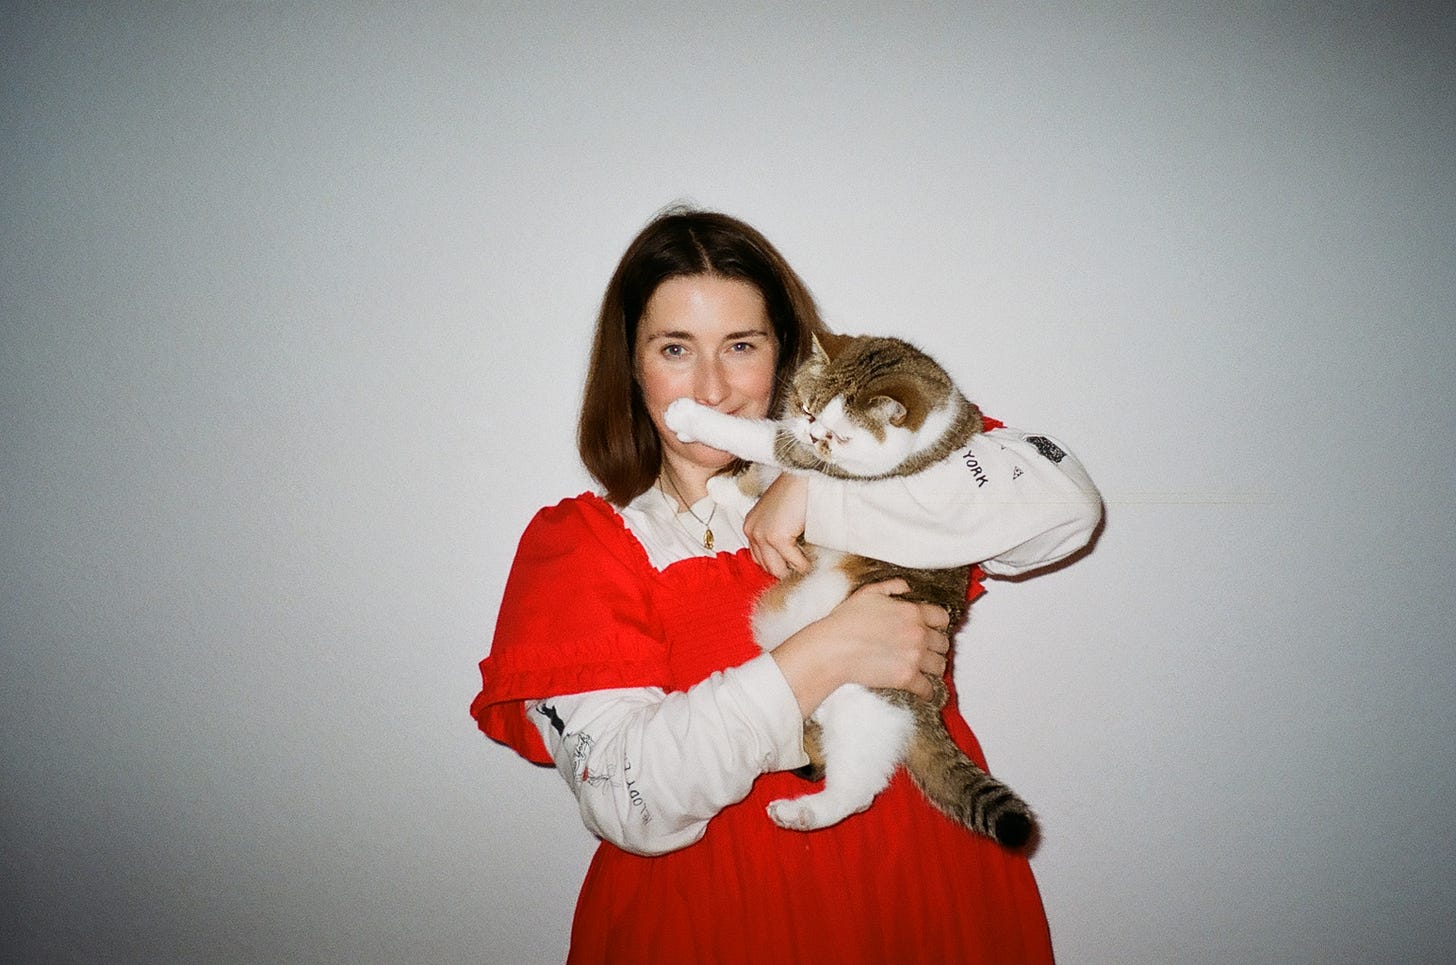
<point x="574" y="617"/>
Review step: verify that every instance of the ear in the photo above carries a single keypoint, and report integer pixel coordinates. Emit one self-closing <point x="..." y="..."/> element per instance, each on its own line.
<point x="900" y="401"/>
<point x="888" y="408"/>
<point x="829" y="345"/>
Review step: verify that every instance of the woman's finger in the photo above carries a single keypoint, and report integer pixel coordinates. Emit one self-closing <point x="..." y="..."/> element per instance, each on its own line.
<point x="891" y="587"/>
<point x="936" y="617"/>
<point x="923" y="686"/>
<point x="769" y="558"/>
<point x="793" y="556"/>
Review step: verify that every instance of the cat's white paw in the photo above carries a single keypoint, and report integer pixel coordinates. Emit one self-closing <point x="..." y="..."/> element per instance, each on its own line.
<point x="729" y="491"/>
<point x="681" y="418"/>
<point x="724" y="488"/>
<point x="814" y="811"/>
<point x="792" y="815"/>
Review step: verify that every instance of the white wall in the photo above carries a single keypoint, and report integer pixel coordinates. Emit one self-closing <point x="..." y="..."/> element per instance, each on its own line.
<point x="295" y="307"/>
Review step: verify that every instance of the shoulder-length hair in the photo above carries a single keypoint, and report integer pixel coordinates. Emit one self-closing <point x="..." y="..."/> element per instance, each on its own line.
<point x="615" y="435"/>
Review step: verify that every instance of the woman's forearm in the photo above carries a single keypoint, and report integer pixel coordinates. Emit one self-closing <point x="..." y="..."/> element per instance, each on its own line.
<point x="650" y="769"/>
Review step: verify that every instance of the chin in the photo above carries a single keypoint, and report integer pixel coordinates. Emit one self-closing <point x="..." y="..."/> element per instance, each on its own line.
<point x="703" y="454"/>
<point x="706" y="455"/>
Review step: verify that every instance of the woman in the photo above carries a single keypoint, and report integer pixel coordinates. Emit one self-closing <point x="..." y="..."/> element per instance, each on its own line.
<point x="623" y="654"/>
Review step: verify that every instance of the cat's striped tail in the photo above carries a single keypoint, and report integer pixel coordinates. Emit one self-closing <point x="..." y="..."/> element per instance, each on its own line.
<point x="964" y="792"/>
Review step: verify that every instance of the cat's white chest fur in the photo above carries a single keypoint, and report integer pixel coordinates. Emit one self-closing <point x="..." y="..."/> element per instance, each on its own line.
<point x="809" y="598"/>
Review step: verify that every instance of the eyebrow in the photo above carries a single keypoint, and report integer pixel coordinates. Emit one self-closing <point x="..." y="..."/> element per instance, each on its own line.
<point x="730" y="337"/>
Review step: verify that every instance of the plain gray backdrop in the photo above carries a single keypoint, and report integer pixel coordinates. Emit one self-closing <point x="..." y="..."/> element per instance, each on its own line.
<point x="296" y="300"/>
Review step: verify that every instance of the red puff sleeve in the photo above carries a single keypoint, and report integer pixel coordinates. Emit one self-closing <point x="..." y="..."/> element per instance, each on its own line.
<point x="574" y="617"/>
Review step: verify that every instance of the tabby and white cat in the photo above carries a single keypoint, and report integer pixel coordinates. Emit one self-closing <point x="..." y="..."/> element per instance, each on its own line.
<point x="863" y="407"/>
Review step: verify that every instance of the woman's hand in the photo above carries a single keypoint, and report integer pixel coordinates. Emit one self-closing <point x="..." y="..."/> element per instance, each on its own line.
<point x="774" y="525"/>
<point x="873" y="639"/>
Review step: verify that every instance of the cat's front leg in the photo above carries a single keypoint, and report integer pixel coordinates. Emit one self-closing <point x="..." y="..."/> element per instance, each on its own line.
<point x="751" y="439"/>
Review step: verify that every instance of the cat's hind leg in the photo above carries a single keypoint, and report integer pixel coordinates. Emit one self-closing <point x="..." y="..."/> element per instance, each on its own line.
<point x="863" y="738"/>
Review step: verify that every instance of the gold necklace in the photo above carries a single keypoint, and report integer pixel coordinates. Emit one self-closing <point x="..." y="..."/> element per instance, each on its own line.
<point x="706" y="523"/>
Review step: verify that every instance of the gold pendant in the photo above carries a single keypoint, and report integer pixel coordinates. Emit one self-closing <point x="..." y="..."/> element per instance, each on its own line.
<point x="707" y="539"/>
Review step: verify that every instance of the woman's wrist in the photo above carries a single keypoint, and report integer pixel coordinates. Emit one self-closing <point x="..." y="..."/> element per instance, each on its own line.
<point x="810" y="670"/>
<point x="775" y="523"/>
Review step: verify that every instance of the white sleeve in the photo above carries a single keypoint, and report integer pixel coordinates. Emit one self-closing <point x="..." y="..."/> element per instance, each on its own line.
<point x="650" y="769"/>
<point x="1011" y="501"/>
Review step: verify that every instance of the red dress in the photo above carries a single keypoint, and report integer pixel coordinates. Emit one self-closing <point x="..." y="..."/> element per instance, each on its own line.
<point x="899" y="883"/>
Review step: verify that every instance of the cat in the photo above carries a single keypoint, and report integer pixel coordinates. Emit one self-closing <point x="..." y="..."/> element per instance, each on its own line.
<point x="862" y="407"/>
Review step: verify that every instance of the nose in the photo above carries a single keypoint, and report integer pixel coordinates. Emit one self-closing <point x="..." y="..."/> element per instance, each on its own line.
<point x="710" y="385"/>
<point x="822" y="438"/>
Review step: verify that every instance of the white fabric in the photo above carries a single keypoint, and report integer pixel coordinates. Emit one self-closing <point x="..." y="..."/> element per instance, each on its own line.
<point x="669" y="536"/>
<point x="650" y="769"/>
<point x="1012" y="501"/>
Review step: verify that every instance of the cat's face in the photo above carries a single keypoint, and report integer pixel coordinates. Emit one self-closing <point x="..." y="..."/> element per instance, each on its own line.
<point x="860" y="443"/>
<point x="867" y="405"/>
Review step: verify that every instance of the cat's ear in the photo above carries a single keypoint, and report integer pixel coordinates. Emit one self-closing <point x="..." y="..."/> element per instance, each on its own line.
<point x="888" y="409"/>
<point x="828" y="345"/>
<point x="899" y="401"/>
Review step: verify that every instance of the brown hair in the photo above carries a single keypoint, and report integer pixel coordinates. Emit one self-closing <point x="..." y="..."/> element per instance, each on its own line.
<point x="615" y="435"/>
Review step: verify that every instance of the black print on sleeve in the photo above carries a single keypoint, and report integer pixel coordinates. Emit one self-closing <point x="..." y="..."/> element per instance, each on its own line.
<point x="635" y="796"/>
<point x="1047" y="448"/>
<point x="978" y="472"/>
<point x="550" y="714"/>
<point x="580" y="745"/>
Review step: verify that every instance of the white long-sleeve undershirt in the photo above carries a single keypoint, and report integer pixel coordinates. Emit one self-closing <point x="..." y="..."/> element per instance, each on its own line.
<point x="1010" y="500"/>
<point x="650" y="768"/>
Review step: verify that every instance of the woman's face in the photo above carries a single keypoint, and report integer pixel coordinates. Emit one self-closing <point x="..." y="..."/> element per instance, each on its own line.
<point x="706" y="338"/>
